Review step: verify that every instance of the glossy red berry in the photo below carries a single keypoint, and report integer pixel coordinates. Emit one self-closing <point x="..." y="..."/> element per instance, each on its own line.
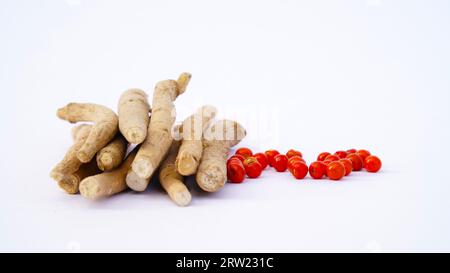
<point x="245" y="152"/>
<point x="270" y="155"/>
<point x="363" y="154"/>
<point x="280" y="163"/>
<point x="293" y="152"/>
<point x="322" y="156"/>
<point x="317" y="169"/>
<point x="347" y="164"/>
<point x="294" y="159"/>
<point x="299" y="170"/>
<point x="240" y="157"/>
<point x="235" y="171"/>
<point x="262" y="159"/>
<point x="341" y="154"/>
<point x="357" y="162"/>
<point x="372" y="164"/>
<point x="332" y="157"/>
<point x="252" y="167"/>
<point x="335" y="170"/>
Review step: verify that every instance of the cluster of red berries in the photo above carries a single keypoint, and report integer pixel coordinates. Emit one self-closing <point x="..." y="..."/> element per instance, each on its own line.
<point x="334" y="166"/>
<point x="342" y="163"/>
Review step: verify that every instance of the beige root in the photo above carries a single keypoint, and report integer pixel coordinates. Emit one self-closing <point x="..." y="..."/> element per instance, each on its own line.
<point x="159" y="138"/>
<point x="171" y="180"/>
<point x="79" y="128"/>
<point x="135" y="182"/>
<point x="104" y="129"/>
<point x="191" y="149"/>
<point x="134" y="115"/>
<point x="70" y="182"/>
<point x="107" y="183"/>
<point x="212" y="172"/>
<point x="70" y="163"/>
<point x="112" y="155"/>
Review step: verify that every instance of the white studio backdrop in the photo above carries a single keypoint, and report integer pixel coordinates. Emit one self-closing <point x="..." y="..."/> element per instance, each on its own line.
<point x="311" y="75"/>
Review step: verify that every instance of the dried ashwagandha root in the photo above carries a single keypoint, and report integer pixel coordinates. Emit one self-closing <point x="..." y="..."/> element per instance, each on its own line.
<point x="133" y="112"/>
<point x="171" y="180"/>
<point x="191" y="148"/>
<point x="104" y="129"/>
<point x="107" y="183"/>
<point x="135" y="182"/>
<point x="71" y="182"/>
<point x="70" y="163"/>
<point x="218" y="139"/>
<point x="112" y="155"/>
<point x="159" y="138"/>
<point x="79" y="128"/>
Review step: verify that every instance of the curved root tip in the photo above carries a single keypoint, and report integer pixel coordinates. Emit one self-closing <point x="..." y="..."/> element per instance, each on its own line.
<point x="136" y="183"/>
<point x="105" y="162"/>
<point x="56" y="175"/>
<point x="182" y="198"/>
<point x="83" y="156"/>
<point x="62" y="113"/>
<point x="136" y="135"/>
<point x="183" y="81"/>
<point x="68" y="184"/>
<point x="142" y="168"/>
<point x="209" y="183"/>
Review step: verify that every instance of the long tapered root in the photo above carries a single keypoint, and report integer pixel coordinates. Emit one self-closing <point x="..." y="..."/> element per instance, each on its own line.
<point x="191" y="148"/>
<point x="70" y="163"/>
<point x="103" y="131"/>
<point x="134" y="115"/>
<point x="112" y="155"/>
<point x="159" y="138"/>
<point x="171" y="180"/>
<point x="107" y="183"/>
<point x="219" y="138"/>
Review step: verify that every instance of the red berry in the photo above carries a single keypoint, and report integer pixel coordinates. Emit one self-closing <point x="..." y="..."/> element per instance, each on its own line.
<point x="363" y="154"/>
<point x="372" y="164"/>
<point x="280" y="163"/>
<point x="335" y="170"/>
<point x="317" y="169"/>
<point x="245" y="152"/>
<point x="326" y="162"/>
<point x="236" y="172"/>
<point x="356" y="161"/>
<point x="294" y="159"/>
<point x="252" y="167"/>
<point x="322" y="156"/>
<point x="233" y="160"/>
<point x="292" y="153"/>
<point x="262" y="159"/>
<point x="347" y="164"/>
<point x="351" y="151"/>
<point x="240" y="157"/>
<point x="332" y="157"/>
<point x="341" y="154"/>
<point x="299" y="170"/>
<point x="270" y="155"/>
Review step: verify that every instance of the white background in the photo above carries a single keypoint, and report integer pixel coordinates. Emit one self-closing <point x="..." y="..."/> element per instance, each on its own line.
<point x="311" y="75"/>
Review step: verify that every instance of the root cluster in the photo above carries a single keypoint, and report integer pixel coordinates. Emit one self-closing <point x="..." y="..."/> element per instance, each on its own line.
<point x="96" y="165"/>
